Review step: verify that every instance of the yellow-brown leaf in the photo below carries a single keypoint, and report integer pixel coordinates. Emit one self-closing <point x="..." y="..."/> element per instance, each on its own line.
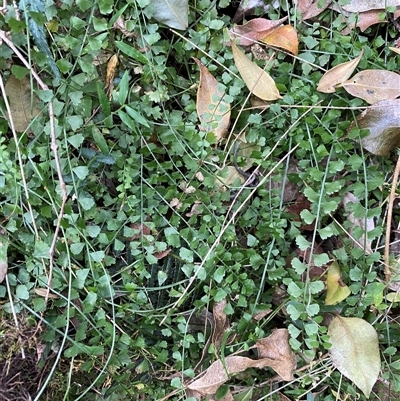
<point x="374" y="85"/>
<point x="256" y="79"/>
<point x="338" y="74"/>
<point x="284" y="37"/>
<point x="213" y="112"/>
<point x="336" y="289"/>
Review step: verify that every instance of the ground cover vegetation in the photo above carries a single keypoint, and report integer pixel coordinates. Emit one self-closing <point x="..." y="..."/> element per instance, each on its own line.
<point x="199" y="200"/>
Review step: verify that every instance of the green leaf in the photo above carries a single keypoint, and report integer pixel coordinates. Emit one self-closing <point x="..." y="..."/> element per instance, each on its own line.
<point x="103" y="99"/>
<point x="136" y="116"/>
<point x="106" y="6"/>
<point x="76" y="140"/>
<point x="81" y="172"/>
<point x="75" y="122"/>
<point x="22" y="292"/>
<point x="355" y="351"/>
<point x="77" y="247"/>
<point x="173" y="13"/>
<point x="79" y="281"/>
<point x="97" y="256"/>
<point x="19" y="72"/>
<point x="131" y="52"/>
<point x="123" y="88"/>
<point x="86" y="202"/>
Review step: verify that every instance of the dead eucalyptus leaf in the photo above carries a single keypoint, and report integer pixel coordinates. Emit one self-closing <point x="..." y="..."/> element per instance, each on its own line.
<point x="213" y="112"/>
<point x="373" y="85"/>
<point x="336" y="289"/>
<point x="42" y="292"/>
<point x="221" y="323"/>
<point x="338" y="74"/>
<point x="364" y="20"/>
<point x="395" y="49"/>
<point x="256" y="79"/>
<point x="276" y="349"/>
<point x="255" y="30"/>
<point x="3" y="254"/>
<point x="359" y="6"/>
<point x="217" y="373"/>
<point x="283" y="37"/>
<point x="355" y="351"/>
<point x="383" y="122"/>
<point x="311" y="8"/>
<point x="23" y="103"/>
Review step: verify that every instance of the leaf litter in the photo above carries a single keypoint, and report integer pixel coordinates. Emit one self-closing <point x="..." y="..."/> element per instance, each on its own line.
<point x="257" y="80"/>
<point x="273" y="351"/>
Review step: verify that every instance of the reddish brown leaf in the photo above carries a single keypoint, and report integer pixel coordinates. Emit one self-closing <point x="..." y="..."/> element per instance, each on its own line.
<point x="284" y="37"/>
<point x="163" y="254"/>
<point x="213" y="112"/>
<point x="255" y="30"/>
<point x="221" y="323"/>
<point x="365" y="20"/>
<point x="311" y="8"/>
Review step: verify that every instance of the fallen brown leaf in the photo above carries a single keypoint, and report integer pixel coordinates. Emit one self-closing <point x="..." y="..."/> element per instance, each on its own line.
<point x="276" y="349"/>
<point x="338" y="74"/>
<point x="213" y="112"/>
<point x="221" y="323"/>
<point x="311" y="8"/>
<point x="283" y="37"/>
<point x="255" y="30"/>
<point x="373" y="85"/>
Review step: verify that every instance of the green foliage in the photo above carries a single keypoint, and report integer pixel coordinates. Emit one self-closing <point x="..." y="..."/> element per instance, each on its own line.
<point x="149" y="219"/>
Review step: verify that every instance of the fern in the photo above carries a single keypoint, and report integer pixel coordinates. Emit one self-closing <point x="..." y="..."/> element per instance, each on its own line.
<point x="30" y="8"/>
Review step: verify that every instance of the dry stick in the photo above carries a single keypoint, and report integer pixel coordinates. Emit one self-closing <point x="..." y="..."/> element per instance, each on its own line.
<point x="54" y="148"/>
<point x="388" y="273"/>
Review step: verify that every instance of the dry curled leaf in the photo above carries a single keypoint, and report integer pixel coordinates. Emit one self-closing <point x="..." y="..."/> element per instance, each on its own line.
<point x="336" y="289"/>
<point x="213" y="111"/>
<point x="276" y="349"/>
<point x="111" y="68"/>
<point x="121" y="25"/>
<point x="338" y="74"/>
<point x="221" y="323"/>
<point x="283" y="37"/>
<point x="23" y="104"/>
<point x="43" y="292"/>
<point x="374" y="85"/>
<point x="383" y="122"/>
<point x="312" y="8"/>
<point x="256" y="79"/>
<point x="254" y="30"/>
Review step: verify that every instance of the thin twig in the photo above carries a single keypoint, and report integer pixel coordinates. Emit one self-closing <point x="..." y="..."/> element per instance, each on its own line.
<point x="54" y="148"/>
<point x="388" y="273"/>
